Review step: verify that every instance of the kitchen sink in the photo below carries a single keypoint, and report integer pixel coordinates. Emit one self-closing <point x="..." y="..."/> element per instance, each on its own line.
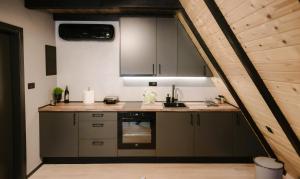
<point x="174" y="105"/>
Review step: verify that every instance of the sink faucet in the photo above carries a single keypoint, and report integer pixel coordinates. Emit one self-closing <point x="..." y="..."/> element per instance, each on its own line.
<point x="174" y="96"/>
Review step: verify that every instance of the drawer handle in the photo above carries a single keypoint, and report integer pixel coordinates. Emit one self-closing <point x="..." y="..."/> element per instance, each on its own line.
<point x="98" y="143"/>
<point x="98" y="125"/>
<point x="97" y="115"/>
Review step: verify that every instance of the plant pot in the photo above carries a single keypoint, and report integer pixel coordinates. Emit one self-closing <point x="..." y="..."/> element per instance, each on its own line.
<point x="57" y="97"/>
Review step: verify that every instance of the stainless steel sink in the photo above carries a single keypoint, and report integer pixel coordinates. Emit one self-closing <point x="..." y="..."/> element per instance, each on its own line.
<point x="174" y="105"/>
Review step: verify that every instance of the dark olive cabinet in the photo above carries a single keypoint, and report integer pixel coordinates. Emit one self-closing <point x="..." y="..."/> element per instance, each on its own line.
<point x="97" y="134"/>
<point x="138" y="46"/>
<point x="166" y="47"/>
<point x="214" y="134"/>
<point x="158" y="47"/>
<point x="190" y="62"/>
<point x="175" y="134"/>
<point x="58" y="134"/>
<point x="205" y="134"/>
<point x="246" y="143"/>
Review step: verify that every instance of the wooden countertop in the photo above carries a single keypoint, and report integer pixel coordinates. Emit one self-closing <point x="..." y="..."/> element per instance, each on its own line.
<point x="135" y="106"/>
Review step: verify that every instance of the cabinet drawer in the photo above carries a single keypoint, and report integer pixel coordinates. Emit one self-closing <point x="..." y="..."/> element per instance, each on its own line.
<point x="105" y="116"/>
<point x="97" y="148"/>
<point x="89" y="129"/>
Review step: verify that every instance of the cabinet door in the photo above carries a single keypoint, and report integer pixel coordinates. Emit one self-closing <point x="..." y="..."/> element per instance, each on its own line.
<point x="246" y="142"/>
<point x="174" y="134"/>
<point x="58" y="134"/>
<point x="138" y="46"/>
<point x="190" y="62"/>
<point x="214" y="134"/>
<point x="166" y="47"/>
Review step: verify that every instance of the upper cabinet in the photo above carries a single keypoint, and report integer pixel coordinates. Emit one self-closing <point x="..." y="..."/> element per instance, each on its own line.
<point x="138" y="46"/>
<point x="190" y="62"/>
<point x="166" y="47"/>
<point x="158" y="47"/>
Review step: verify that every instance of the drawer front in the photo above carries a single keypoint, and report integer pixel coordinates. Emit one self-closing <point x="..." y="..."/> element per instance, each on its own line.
<point x="97" y="148"/>
<point x="91" y="129"/>
<point x="105" y="116"/>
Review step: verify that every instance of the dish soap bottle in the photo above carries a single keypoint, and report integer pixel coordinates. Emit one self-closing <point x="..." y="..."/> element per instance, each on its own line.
<point x="66" y="96"/>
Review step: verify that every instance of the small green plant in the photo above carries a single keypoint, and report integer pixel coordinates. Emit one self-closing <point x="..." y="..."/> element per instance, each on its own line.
<point x="57" y="91"/>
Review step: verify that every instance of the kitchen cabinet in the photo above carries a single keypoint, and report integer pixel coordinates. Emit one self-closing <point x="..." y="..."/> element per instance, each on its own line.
<point x="166" y="47"/>
<point x="190" y="62"/>
<point x="58" y="134"/>
<point x="97" y="134"/>
<point x="138" y="46"/>
<point x="175" y="134"/>
<point x="214" y="134"/>
<point x="246" y="142"/>
<point x="158" y="47"/>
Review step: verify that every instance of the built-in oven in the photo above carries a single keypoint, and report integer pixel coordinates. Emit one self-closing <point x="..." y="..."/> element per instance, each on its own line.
<point x="136" y="130"/>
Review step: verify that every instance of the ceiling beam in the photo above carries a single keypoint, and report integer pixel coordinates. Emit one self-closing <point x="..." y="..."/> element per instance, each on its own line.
<point x="102" y="4"/>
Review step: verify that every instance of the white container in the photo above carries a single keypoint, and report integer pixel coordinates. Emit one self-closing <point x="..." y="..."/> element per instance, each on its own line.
<point x="88" y="97"/>
<point x="268" y="168"/>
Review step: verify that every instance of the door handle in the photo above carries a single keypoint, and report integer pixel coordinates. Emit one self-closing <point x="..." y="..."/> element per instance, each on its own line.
<point x="98" y="143"/>
<point x="74" y="119"/>
<point x="97" y="115"/>
<point x="98" y="125"/>
<point x="198" y="119"/>
<point x="153" y="69"/>
<point x="192" y="120"/>
<point x="159" y="68"/>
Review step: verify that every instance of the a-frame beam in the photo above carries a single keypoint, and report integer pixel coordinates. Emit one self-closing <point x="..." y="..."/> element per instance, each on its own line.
<point x="254" y="75"/>
<point x="221" y="73"/>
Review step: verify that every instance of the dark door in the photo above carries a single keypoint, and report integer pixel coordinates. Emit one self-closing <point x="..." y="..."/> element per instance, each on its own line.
<point x="12" y="137"/>
<point x="6" y="109"/>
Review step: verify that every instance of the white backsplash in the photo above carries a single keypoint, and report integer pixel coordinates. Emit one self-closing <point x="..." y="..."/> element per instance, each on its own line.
<point x="96" y="65"/>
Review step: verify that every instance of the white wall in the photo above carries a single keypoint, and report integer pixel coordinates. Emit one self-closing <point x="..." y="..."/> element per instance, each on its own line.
<point x="96" y="65"/>
<point x="38" y="29"/>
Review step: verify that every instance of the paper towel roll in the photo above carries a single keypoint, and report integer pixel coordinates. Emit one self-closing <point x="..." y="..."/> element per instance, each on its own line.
<point x="88" y="97"/>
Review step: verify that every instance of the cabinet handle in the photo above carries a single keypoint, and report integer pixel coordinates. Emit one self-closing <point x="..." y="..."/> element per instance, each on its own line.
<point x="204" y="70"/>
<point x="153" y="69"/>
<point x="159" y="68"/>
<point x="98" y="143"/>
<point x="97" y="115"/>
<point x="74" y="119"/>
<point x="98" y="125"/>
<point x="192" y="120"/>
<point x="198" y="119"/>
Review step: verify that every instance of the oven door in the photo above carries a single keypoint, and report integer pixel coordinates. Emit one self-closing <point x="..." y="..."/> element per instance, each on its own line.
<point x="136" y="132"/>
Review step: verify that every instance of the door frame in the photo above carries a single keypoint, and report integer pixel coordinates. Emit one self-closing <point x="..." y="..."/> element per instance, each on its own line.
<point x="18" y="92"/>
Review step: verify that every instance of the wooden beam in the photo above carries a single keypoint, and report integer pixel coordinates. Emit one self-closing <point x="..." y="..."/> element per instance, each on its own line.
<point x="254" y="75"/>
<point x="99" y="4"/>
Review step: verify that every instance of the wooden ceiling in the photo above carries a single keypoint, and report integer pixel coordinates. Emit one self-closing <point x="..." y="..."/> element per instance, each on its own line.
<point x="268" y="32"/>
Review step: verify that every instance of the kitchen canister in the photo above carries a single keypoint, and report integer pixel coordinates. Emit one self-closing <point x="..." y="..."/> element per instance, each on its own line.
<point x="268" y="168"/>
<point x="88" y="96"/>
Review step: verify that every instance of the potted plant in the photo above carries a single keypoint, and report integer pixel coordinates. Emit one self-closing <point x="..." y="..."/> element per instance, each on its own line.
<point x="57" y="94"/>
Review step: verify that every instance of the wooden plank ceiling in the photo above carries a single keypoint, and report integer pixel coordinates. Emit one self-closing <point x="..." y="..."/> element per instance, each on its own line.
<point x="269" y="31"/>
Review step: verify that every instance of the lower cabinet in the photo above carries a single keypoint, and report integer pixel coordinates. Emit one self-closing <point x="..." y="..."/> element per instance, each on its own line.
<point x="97" y="134"/>
<point x="175" y="133"/>
<point x="214" y="134"/>
<point x="246" y="142"/>
<point x="178" y="134"/>
<point x="205" y="134"/>
<point x="58" y="134"/>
